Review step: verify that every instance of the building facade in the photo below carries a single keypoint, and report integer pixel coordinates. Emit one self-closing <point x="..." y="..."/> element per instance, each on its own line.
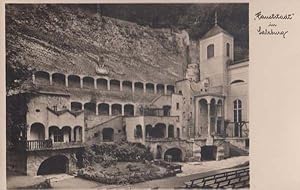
<point x="203" y="116"/>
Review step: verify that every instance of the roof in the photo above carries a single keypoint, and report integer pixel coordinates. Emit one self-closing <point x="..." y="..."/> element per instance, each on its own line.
<point x="214" y="31"/>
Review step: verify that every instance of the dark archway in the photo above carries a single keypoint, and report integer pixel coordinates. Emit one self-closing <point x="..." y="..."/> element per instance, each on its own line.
<point x="116" y="109"/>
<point x="102" y="84"/>
<point x="54" y="165"/>
<point x="103" y="109"/>
<point x="150" y="88"/>
<point x="160" y="89"/>
<point x="108" y="134"/>
<point x="88" y="82"/>
<point x="139" y="87"/>
<point x="115" y="85"/>
<point x="76" y="106"/>
<point x="171" y="131"/>
<point x="127" y="86"/>
<point x="42" y="78"/>
<point x="208" y="153"/>
<point x="138" y="133"/>
<point x="173" y="155"/>
<point x="159" y="131"/>
<point x="129" y="110"/>
<point x="170" y="89"/>
<point x="74" y="81"/>
<point x="158" y="152"/>
<point x="90" y="108"/>
<point x="58" y="79"/>
<point x="37" y="131"/>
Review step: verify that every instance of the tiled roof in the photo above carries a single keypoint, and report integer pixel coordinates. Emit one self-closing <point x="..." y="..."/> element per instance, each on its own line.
<point x="214" y="31"/>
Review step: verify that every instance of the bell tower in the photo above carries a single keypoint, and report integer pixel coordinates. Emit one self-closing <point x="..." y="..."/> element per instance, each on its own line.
<point x="216" y="48"/>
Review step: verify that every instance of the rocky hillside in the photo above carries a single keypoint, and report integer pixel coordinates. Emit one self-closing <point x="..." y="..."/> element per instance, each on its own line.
<point x="56" y="38"/>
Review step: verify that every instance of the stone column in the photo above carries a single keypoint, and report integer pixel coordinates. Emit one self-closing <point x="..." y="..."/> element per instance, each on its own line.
<point x="97" y="112"/>
<point x="197" y="110"/>
<point x="81" y="82"/>
<point x="72" y="134"/>
<point x="121" y="85"/>
<point x="208" y="119"/>
<point x="166" y="90"/>
<point x="46" y="133"/>
<point x="50" y="78"/>
<point x="108" y="84"/>
<point x="122" y="109"/>
<point x="109" y="109"/>
<point x="144" y="86"/>
<point x="33" y="78"/>
<point x="167" y="131"/>
<point x="132" y="86"/>
<point x="66" y="81"/>
<point x="216" y="118"/>
<point x="155" y="88"/>
<point x="95" y="83"/>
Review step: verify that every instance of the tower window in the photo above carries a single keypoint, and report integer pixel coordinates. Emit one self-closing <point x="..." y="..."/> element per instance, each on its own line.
<point x="177" y="106"/>
<point x="210" y="51"/>
<point x="227" y="49"/>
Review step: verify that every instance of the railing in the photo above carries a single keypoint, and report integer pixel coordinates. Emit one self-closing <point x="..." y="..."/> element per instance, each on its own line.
<point x="232" y="179"/>
<point x="164" y="139"/>
<point x="38" y="144"/>
<point x="237" y="129"/>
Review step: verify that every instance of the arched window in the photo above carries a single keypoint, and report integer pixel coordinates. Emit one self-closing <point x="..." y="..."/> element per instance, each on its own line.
<point x="237" y="114"/>
<point x="227" y="49"/>
<point x="237" y="81"/>
<point x="138" y="132"/>
<point x="210" y="51"/>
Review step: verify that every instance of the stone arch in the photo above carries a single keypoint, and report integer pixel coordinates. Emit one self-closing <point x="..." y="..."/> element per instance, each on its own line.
<point x="138" y="87"/>
<point x="167" y="110"/>
<point x="210" y="51"/>
<point x="56" y="134"/>
<point x="88" y="82"/>
<point x="58" y="79"/>
<point x="103" y="109"/>
<point x="148" y="129"/>
<point x="177" y="133"/>
<point x="170" y="89"/>
<point x="78" y="133"/>
<point x="237" y="81"/>
<point x="90" y="108"/>
<point x="116" y="109"/>
<point x="108" y="134"/>
<point x="127" y="86"/>
<point x="53" y="165"/>
<point x="115" y="85"/>
<point x="174" y="154"/>
<point x="171" y="131"/>
<point x="74" y="81"/>
<point x="129" y="110"/>
<point x="159" y="131"/>
<point x="160" y="89"/>
<point x="150" y="88"/>
<point x="76" y="106"/>
<point x="138" y="132"/>
<point x="42" y="78"/>
<point x="102" y="84"/>
<point x="37" y="131"/>
<point x="66" y="130"/>
<point x="203" y="115"/>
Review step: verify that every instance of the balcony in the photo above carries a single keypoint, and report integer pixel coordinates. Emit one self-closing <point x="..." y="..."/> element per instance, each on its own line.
<point x="150" y="139"/>
<point x="33" y="145"/>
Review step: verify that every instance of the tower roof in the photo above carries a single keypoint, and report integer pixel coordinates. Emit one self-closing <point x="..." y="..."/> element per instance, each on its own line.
<point x="216" y="29"/>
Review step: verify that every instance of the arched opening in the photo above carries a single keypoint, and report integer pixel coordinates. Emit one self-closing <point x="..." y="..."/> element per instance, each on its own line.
<point x="173" y="155"/>
<point x="178" y="133"/>
<point x="37" y="131"/>
<point x="101" y="84"/>
<point x="237" y="117"/>
<point x="129" y="110"/>
<point x="159" y="131"/>
<point x="213" y="115"/>
<point x="42" y="78"/>
<point x="103" y="109"/>
<point x="167" y="110"/>
<point x="78" y="134"/>
<point x="76" y="106"/>
<point x="90" y="108"/>
<point x="115" y="85"/>
<point x="127" y="86"/>
<point x="208" y="153"/>
<point x="158" y="152"/>
<point x="56" y="134"/>
<point x="237" y="81"/>
<point x="170" y="89"/>
<point x="171" y="131"/>
<point x="58" y="79"/>
<point x="116" y="109"/>
<point x="160" y="89"/>
<point x="108" y="134"/>
<point x="74" y="81"/>
<point x="139" y="87"/>
<point x="203" y="117"/>
<point x="219" y="117"/>
<point x="148" y="131"/>
<point x="66" y="130"/>
<point x="210" y="51"/>
<point x="138" y="133"/>
<point x="88" y="82"/>
<point x="227" y="49"/>
<point x="150" y="88"/>
<point x="54" y="165"/>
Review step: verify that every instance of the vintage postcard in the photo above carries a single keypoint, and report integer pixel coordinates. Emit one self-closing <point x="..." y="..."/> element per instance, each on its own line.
<point x="135" y="96"/>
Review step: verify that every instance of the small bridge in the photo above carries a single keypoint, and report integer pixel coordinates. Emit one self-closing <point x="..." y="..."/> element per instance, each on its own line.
<point x="238" y="178"/>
